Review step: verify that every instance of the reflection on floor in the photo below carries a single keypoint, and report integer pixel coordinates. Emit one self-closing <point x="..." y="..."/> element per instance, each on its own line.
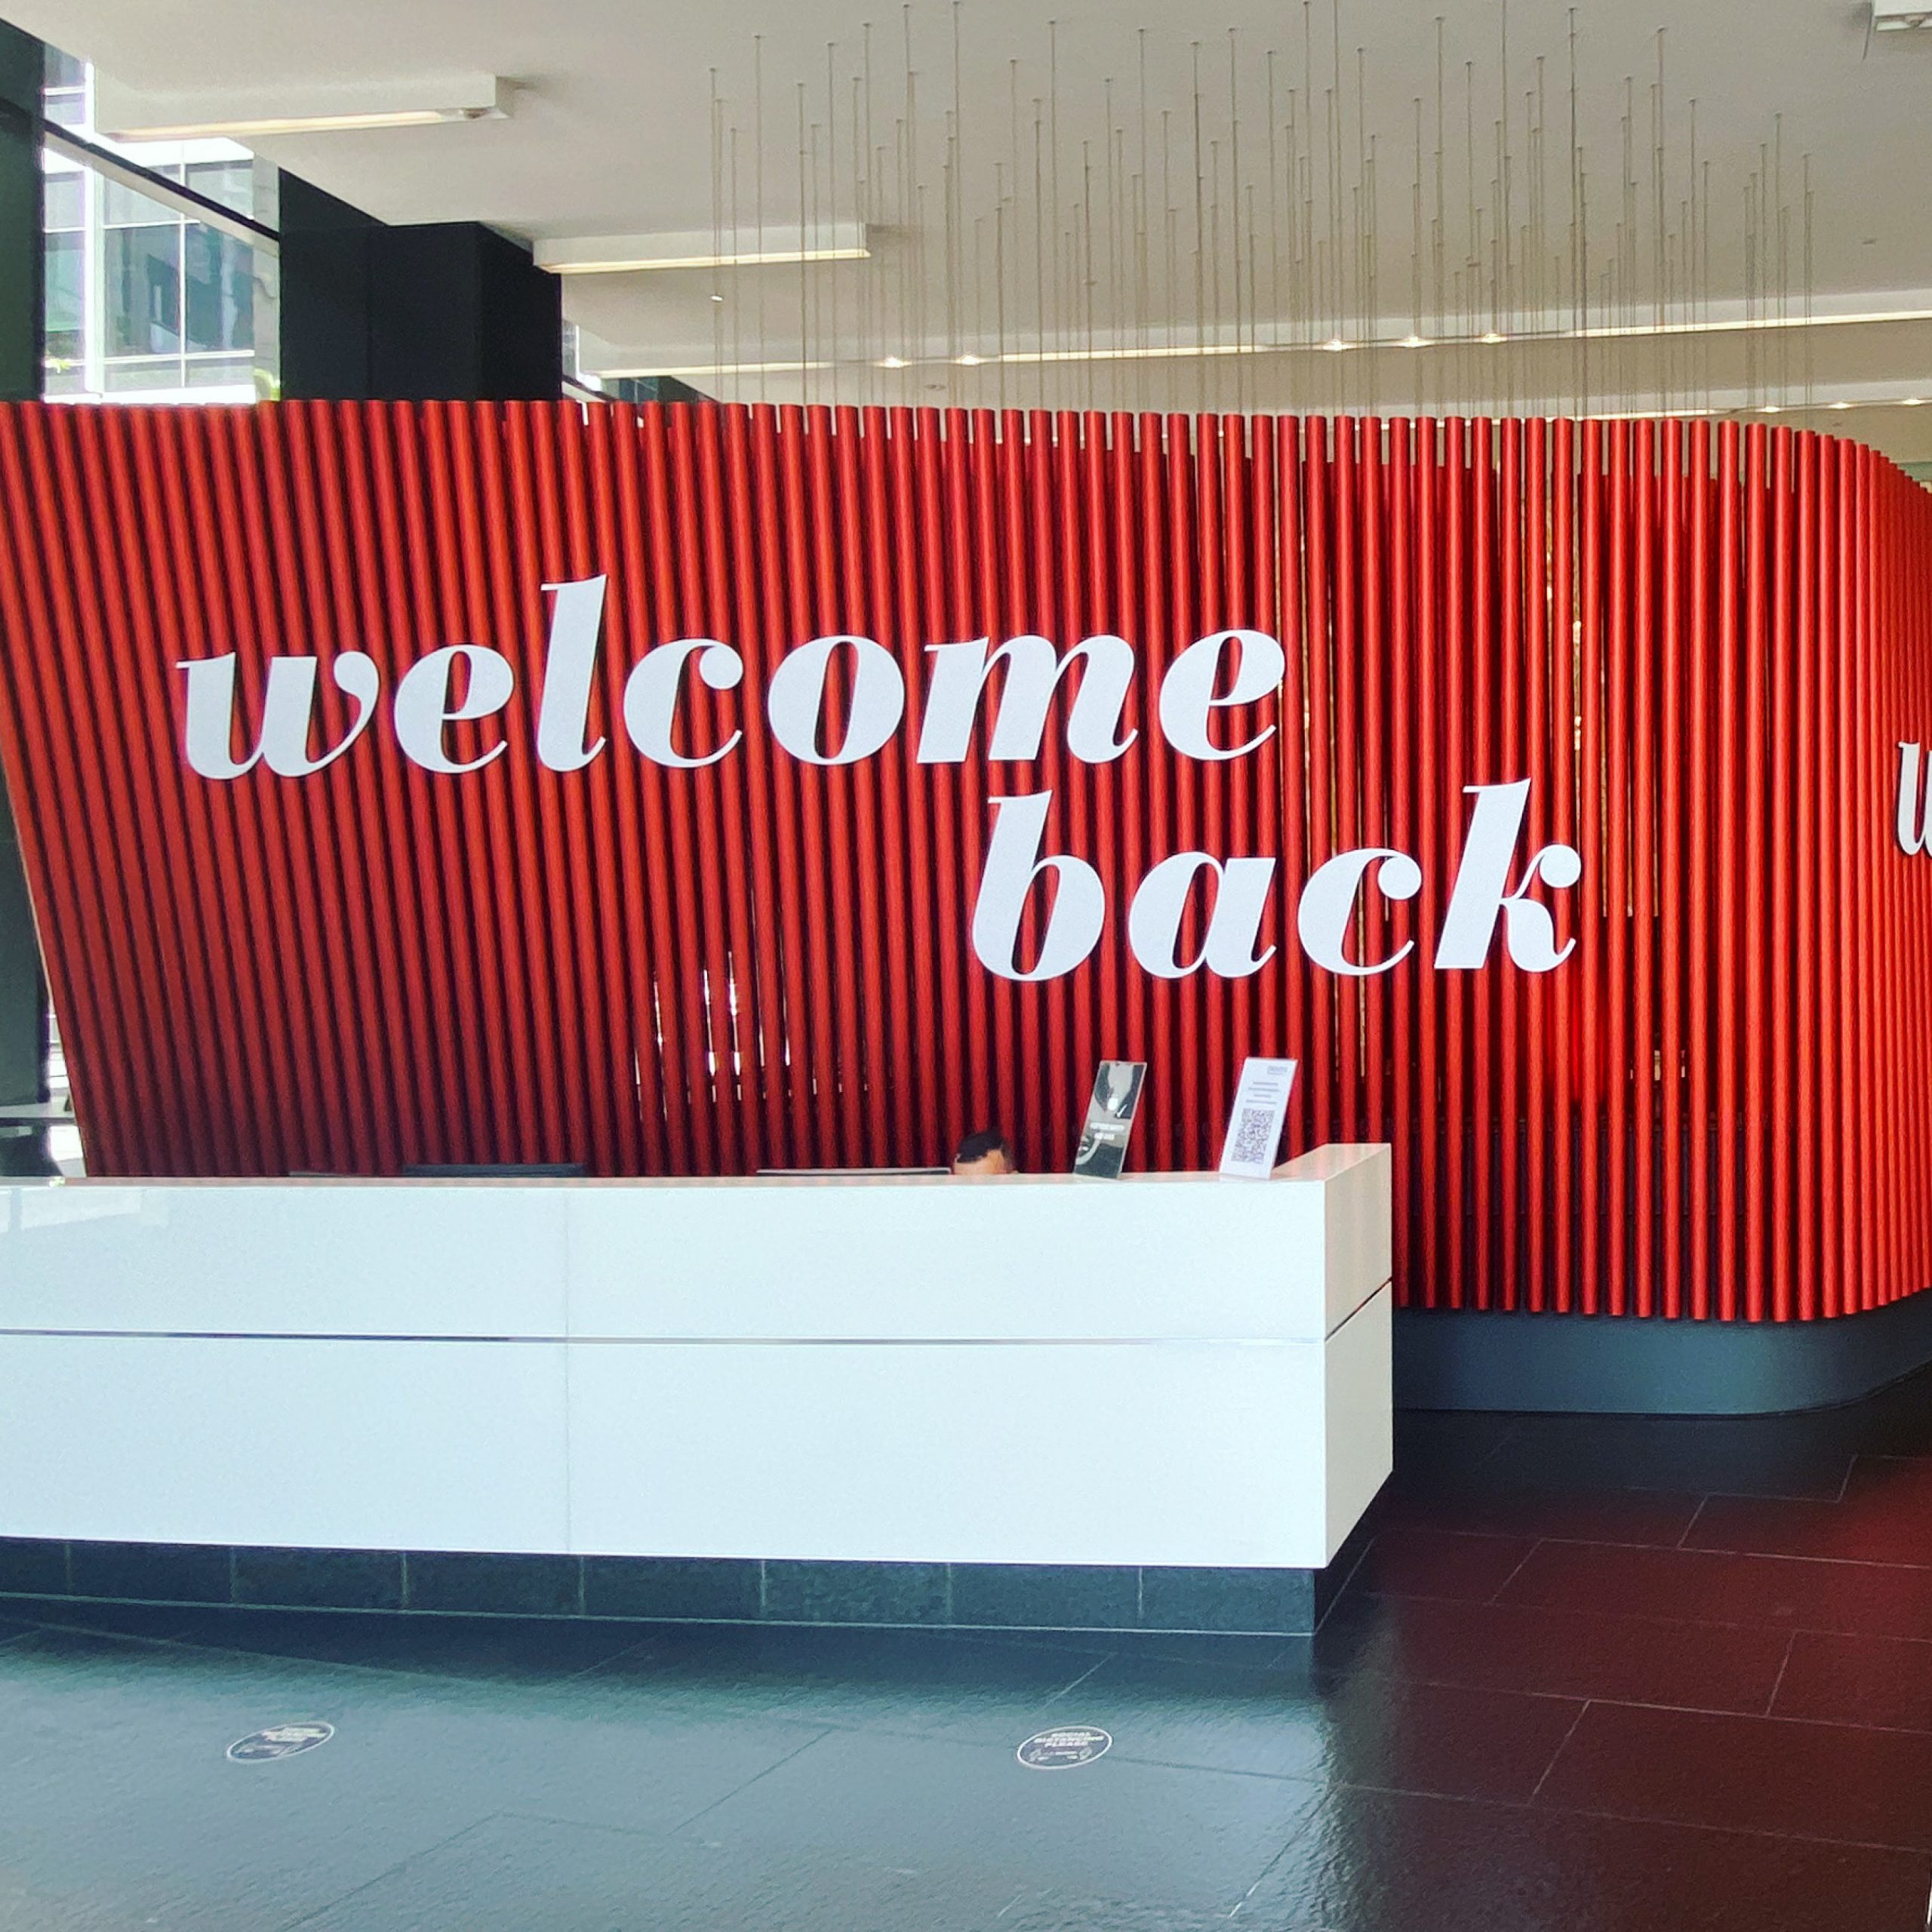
<point x="1592" y="1675"/>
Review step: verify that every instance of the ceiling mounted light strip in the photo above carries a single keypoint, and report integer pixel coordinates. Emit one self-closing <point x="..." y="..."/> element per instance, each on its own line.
<point x="124" y="114"/>
<point x="635" y="254"/>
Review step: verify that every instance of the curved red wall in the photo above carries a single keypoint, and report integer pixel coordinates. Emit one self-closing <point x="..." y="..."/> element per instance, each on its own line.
<point x="1703" y="645"/>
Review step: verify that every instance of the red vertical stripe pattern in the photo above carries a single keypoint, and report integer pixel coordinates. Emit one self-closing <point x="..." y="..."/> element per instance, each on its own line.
<point x="1703" y="646"/>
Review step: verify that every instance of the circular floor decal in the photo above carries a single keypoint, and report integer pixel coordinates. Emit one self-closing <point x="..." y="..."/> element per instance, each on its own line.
<point x="281" y="1740"/>
<point x="1064" y="1749"/>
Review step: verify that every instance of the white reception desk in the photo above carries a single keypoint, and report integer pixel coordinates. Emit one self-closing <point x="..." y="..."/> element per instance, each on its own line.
<point x="1163" y="1370"/>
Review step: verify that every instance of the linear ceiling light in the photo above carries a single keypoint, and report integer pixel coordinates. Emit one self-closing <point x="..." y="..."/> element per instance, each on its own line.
<point x="740" y="248"/>
<point x="1732" y="325"/>
<point x="128" y="116"/>
<point x="687" y="371"/>
<point x="1736" y="325"/>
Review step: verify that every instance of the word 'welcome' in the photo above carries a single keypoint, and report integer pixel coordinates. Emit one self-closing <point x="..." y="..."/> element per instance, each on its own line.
<point x="1226" y="670"/>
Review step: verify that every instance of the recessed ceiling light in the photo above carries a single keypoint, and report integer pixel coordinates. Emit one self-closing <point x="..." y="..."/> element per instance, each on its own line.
<point x="1335" y="343"/>
<point x="1415" y="342"/>
<point x="692" y="370"/>
<point x="1912" y="402"/>
<point x="1841" y="405"/>
<point x="969" y="361"/>
<point x="638" y="254"/>
<point x="1492" y="335"/>
<point x="892" y="361"/>
<point x="1767" y="409"/>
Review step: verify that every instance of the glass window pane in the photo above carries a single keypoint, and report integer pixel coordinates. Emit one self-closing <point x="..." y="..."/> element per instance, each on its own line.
<point x="125" y="208"/>
<point x="66" y="282"/>
<point x="222" y="372"/>
<point x="230" y="183"/>
<point x="65" y="200"/>
<point x="220" y="282"/>
<point x="143" y="291"/>
<point x="165" y="374"/>
<point x="62" y="379"/>
<point x="63" y="70"/>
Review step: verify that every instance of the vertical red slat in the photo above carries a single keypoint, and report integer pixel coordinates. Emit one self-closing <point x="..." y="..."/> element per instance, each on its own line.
<point x="1782" y="813"/>
<point x="1289" y="802"/>
<point x="1457" y="656"/>
<point x="1319" y="1060"/>
<point x="1621" y="1091"/>
<point x="1377" y="775"/>
<point x="1407" y="725"/>
<point x="1703" y="771"/>
<point x="1565" y="751"/>
<point x="1596" y="904"/>
<point x="1728" y="1256"/>
<point x="1438" y="1284"/>
<point x="1673" y="797"/>
<point x="1756" y="725"/>
<point x="1645" y="711"/>
<point x="1345" y="761"/>
<point x="1508" y="761"/>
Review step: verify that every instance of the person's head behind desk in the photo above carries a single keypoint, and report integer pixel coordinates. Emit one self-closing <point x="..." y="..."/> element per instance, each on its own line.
<point x="985" y="1153"/>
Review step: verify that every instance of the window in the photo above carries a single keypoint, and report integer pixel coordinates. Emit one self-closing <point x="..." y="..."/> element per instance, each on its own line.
<point x="127" y="207"/>
<point x="64" y="200"/>
<point x="65" y="91"/>
<point x="143" y="291"/>
<point x="218" y="285"/>
<point x="65" y="277"/>
<point x="143" y="304"/>
<point x="230" y="183"/>
<point x="66" y="341"/>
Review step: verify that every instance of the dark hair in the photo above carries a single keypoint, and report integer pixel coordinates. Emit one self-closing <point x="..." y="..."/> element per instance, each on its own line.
<point x="977" y="1146"/>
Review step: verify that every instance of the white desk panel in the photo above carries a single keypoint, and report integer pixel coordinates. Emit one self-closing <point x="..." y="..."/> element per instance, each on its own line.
<point x="1360" y="1440"/>
<point x="1177" y="1257"/>
<point x="1182" y="1452"/>
<point x="1357" y="1185"/>
<point x="341" y="1445"/>
<point x="290" y="1258"/>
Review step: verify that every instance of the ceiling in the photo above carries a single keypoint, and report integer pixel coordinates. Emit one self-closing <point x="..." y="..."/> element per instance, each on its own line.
<point x="630" y="120"/>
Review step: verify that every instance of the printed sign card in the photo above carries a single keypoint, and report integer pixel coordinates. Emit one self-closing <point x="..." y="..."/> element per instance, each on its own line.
<point x="1260" y="1110"/>
<point x="1110" y="1113"/>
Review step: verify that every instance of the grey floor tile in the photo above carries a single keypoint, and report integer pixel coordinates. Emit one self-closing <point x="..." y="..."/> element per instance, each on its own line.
<point x="1408" y="1736"/>
<point x="1377" y="1862"/>
<point x="968" y="1815"/>
<point x="118" y="1807"/>
<point x="887" y="1681"/>
<point x="519" y="1874"/>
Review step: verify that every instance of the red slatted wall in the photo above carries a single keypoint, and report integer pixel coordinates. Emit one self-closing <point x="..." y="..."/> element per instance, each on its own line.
<point x="1703" y="644"/>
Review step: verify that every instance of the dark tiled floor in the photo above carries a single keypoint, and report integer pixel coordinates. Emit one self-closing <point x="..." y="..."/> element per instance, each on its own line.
<point x="1592" y="1676"/>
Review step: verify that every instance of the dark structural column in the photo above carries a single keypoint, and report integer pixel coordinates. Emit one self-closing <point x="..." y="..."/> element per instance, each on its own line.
<point x="445" y="311"/>
<point x="23" y="990"/>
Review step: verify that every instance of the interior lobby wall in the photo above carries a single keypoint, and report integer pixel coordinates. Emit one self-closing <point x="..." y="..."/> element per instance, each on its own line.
<point x="1703" y="648"/>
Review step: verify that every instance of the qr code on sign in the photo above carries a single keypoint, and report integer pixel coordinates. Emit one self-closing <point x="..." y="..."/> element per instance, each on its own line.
<point x="1255" y="1137"/>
